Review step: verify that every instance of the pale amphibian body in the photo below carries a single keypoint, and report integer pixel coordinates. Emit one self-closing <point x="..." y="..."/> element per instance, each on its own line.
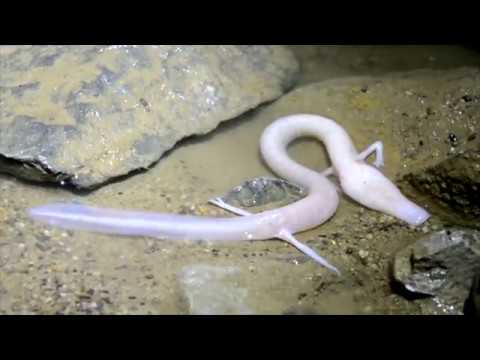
<point x="362" y="182"/>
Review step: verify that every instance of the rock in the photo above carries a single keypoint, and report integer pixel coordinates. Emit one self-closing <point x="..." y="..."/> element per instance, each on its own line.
<point x="454" y="182"/>
<point x="262" y="193"/>
<point x="212" y="290"/>
<point x="442" y="265"/>
<point x="472" y="305"/>
<point x="85" y="114"/>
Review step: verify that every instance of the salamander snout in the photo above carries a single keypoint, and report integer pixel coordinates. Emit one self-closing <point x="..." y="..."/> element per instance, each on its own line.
<point x="368" y="186"/>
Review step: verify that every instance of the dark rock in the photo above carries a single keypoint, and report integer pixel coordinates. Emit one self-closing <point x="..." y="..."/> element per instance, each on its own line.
<point x="455" y="182"/>
<point x="85" y="114"/>
<point x="472" y="304"/>
<point x="442" y="265"/>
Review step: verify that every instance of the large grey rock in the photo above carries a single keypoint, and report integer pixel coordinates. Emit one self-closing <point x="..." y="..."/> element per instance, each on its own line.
<point x="85" y="114"/>
<point x="441" y="264"/>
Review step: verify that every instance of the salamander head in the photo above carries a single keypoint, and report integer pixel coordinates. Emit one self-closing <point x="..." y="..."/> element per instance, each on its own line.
<point x="368" y="186"/>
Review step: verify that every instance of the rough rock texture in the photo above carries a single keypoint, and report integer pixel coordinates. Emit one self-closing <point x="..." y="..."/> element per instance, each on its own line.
<point x="441" y="264"/>
<point x="472" y="305"/>
<point x="85" y="114"/>
<point x="455" y="182"/>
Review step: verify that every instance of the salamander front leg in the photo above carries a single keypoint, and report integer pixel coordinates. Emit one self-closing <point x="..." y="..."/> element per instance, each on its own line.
<point x="282" y="234"/>
<point x="376" y="147"/>
<point x="223" y="205"/>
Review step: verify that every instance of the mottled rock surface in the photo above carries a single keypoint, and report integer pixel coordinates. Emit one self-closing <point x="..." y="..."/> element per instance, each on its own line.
<point x="472" y="304"/>
<point x="213" y="290"/>
<point x="442" y="264"/>
<point x="454" y="182"/>
<point x="264" y="193"/>
<point x="86" y="114"/>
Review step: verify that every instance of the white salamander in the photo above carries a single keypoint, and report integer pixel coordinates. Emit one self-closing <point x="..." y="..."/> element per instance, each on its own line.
<point x="359" y="180"/>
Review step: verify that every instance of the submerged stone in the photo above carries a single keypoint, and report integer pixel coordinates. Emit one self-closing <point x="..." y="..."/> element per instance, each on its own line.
<point x="85" y="114"/>
<point x="213" y="290"/>
<point x="442" y="264"/>
<point x="264" y="192"/>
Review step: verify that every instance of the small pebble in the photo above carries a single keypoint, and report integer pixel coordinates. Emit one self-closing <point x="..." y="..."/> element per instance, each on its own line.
<point x="42" y="246"/>
<point x="363" y="254"/>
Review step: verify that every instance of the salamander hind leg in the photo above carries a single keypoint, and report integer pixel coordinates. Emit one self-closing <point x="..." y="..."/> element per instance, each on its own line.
<point x="288" y="237"/>
<point x="283" y="235"/>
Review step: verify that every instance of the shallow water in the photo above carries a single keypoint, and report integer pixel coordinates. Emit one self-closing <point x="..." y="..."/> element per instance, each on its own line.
<point x="46" y="270"/>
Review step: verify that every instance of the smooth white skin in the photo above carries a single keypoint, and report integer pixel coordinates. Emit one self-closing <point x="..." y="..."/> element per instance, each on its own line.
<point x="359" y="180"/>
